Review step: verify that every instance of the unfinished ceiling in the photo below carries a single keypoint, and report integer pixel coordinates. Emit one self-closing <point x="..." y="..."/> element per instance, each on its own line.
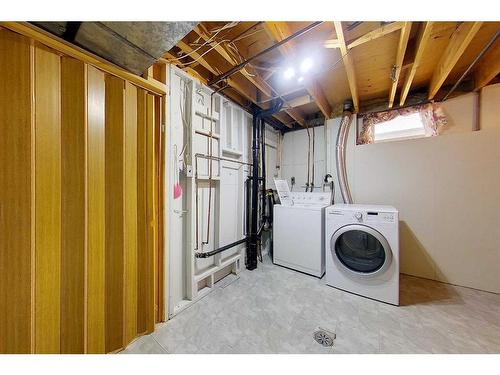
<point x="375" y="64"/>
<point x="134" y="46"/>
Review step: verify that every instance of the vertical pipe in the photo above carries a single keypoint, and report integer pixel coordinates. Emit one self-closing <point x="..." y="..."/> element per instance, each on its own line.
<point x="252" y="248"/>
<point x="263" y="143"/>
<point x="251" y="260"/>
<point x="312" y="179"/>
<point x="340" y="153"/>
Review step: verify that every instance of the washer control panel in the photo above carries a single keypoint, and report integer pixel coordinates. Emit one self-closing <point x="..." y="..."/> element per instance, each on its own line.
<point x="316" y="199"/>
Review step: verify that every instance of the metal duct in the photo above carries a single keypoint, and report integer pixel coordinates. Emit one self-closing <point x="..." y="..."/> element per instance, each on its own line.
<point x="342" y="136"/>
<point x="134" y="46"/>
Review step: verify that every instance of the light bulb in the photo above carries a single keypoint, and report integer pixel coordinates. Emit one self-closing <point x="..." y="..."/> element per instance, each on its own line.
<point x="306" y="65"/>
<point x="289" y="73"/>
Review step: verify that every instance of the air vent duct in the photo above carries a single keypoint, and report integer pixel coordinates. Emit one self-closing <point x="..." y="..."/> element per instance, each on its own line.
<point x="342" y="136"/>
<point x="134" y="46"/>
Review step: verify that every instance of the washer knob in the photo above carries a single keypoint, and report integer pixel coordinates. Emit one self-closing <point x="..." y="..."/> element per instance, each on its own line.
<point x="358" y="216"/>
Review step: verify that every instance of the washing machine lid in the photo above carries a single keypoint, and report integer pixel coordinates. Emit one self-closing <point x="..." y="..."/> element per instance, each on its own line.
<point x="360" y="250"/>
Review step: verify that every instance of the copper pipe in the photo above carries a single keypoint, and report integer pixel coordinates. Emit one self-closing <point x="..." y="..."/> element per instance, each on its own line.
<point x="203" y="156"/>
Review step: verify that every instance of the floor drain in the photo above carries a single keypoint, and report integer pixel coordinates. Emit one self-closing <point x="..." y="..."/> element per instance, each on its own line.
<point x="323" y="337"/>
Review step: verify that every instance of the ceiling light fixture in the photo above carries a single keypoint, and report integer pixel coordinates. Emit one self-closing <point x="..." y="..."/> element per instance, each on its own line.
<point x="289" y="73"/>
<point x="300" y="79"/>
<point x="306" y="65"/>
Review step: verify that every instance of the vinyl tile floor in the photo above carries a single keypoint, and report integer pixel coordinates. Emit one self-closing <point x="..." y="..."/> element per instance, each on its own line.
<point x="277" y="310"/>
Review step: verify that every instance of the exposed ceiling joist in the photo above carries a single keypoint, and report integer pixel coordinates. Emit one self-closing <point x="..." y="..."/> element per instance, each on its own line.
<point x="253" y="77"/>
<point x="229" y="56"/>
<point x="423" y="38"/>
<point x="230" y="81"/>
<point x="331" y="43"/>
<point x="250" y="95"/>
<point x="300" y="100"/>
<point x="459" y="41"/>
<point x="488" y="68"/>
<point x="381" y="31"/>
<point x="279" y="31"/>
<point x="403" y="42"/>
<point x="348" y="64"/>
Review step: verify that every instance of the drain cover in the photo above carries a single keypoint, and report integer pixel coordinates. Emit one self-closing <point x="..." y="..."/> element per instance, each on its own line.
<point x="323" y="337"/>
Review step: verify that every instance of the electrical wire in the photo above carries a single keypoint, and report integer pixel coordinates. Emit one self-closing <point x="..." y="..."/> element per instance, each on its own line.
<point x="225" y="27"/>
<point x="185" y="122"/>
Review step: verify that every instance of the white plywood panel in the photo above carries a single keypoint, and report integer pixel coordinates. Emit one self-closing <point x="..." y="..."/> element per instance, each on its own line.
<point x="201" y="145"/>
<point x="230" y="206"/>
<point x="206" y="230"/>
<point x="178" y="244"/>
<point x="271" y="166"/>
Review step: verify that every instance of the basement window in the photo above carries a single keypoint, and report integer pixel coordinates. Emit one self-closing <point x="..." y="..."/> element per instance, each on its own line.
<point x="403" y="127"/>
<point x="407" y="123"/>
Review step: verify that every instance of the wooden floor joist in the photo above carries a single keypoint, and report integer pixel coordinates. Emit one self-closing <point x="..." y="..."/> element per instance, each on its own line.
<point x="488" y="68"/>
<point x="279" y="31"/>
<point x="249" y="73"/>
<point x="460" y="39"/>
<point x="348" y="64"/>
<point x="403" y="42"/>
<point x="423" y="38"/>
<point x="381" y="31"/>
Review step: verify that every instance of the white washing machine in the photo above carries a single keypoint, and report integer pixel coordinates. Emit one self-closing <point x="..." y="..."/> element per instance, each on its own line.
<point x="362" y="256"/>
<point x="298" y="233"/>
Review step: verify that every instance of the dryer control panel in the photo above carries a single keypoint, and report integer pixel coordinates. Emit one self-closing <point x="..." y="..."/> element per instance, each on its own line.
<point x="363" y="216"/>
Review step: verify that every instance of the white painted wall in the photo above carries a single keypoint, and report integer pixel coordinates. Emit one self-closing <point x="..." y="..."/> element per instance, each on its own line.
<point x="294" y="157"/>
<point x="446" y="189"/>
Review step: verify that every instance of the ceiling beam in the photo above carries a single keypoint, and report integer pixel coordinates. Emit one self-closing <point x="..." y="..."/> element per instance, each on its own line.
<point x="331" y="43"/>
<point x="377" y="33"/>
<point x="423" y="38"/>
<point x="348" y="64"/>
<point x="249" y="73"/>
<point x="459" y="41"/>
<point x="488" y="67"/>
<point x="250" y="95"/>
<point x="403" y="42"/>
<point x="299" y="101"/>
<point x="279" y="31"/>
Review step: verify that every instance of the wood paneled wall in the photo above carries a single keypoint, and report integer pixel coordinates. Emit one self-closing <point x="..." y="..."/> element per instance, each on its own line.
<point x="77" y="177"/>
<point x="16" y="190"/>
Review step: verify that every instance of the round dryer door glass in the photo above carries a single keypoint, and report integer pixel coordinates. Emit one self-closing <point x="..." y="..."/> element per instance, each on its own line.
<point x="360" y="251"/>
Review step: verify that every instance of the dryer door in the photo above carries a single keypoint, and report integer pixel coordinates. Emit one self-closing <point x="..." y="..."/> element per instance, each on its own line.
<point x="360" y="250"/>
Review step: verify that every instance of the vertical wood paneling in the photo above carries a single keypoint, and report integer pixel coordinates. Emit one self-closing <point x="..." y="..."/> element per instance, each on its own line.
<point x="130" y="202"/>
<point x="151" y="212"/>
<point x="158" y="210"/>
<point x="142" y="225"/>
<point x="15" y="193"/>
<point x="73" y="204"/>
<point x="114" y="212"/>
<point x="79" y="188"/>
<point x="95" y="214"/>
<point x="47" y="201"/>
